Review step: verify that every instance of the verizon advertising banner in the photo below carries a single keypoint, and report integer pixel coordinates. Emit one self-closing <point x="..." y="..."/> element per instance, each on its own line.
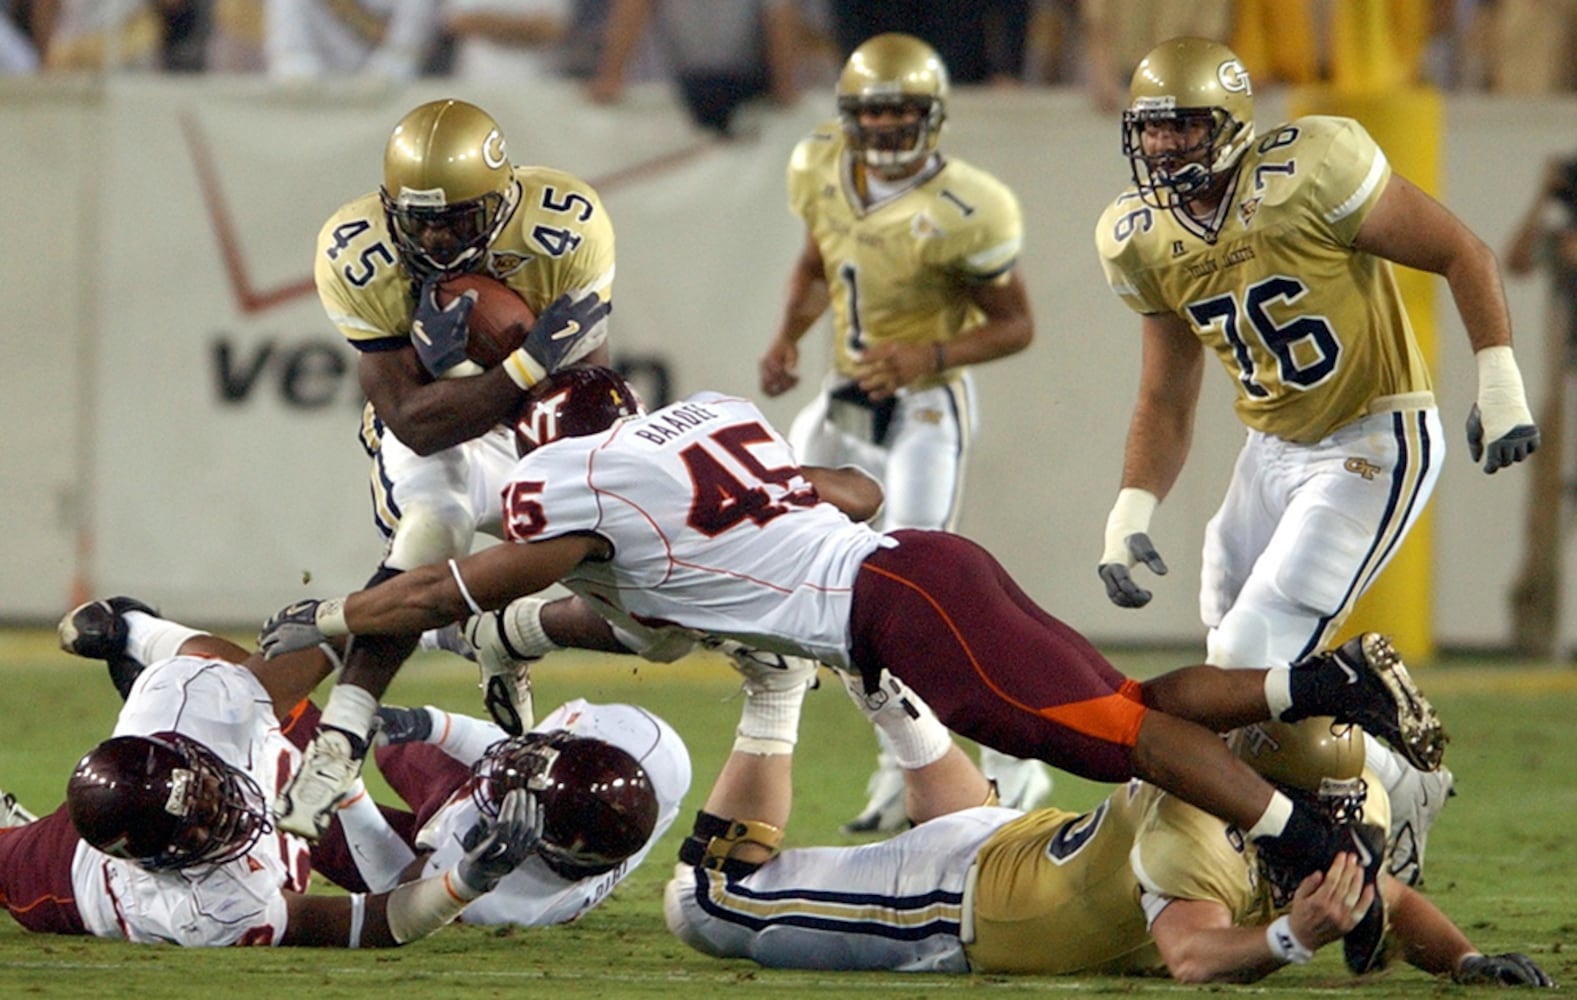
<point x="179" y="418"/>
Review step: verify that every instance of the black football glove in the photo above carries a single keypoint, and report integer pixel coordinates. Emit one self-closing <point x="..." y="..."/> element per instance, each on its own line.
<point x="403" y="725"/>
<point x="1508" y="969"/>
<point x="1120" y="586"/>
<point x="292" y="627"/>
<point x="1508" y="449"/>
<point x="439" y="333"/>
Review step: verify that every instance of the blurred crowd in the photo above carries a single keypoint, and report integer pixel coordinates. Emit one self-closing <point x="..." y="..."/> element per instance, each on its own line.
<point x="721" y="54"/>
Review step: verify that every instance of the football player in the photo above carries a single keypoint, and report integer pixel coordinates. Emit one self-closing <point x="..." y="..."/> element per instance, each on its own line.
<point x="917" y="253"/>
<point x="1142" y="884"/>
<point x="165" y="834"/>
<point x="610" y="779"/>
<point x="698" y="516"/>
<point x="451" y="203"/>
<point x="1274" y="252"/>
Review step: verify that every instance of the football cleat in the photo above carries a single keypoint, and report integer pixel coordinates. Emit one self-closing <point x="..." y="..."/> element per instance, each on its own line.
<point x="329" y="771"/>
<point x="1389" y="705"/>
<point x="12" y="813"/>
<point x="1022" y="783"/>
<point x="506" y="692"/>
<point x="763" y="671"/>
<point x="1363" y="948"/>
<point x="97" y="631"/>
<point x="884" y="810"/>
<point x="1416" y="801"/>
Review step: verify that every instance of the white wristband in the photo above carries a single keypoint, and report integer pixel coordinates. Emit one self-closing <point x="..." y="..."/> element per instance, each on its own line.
<point x="1130" y="516"/>
<point x="1284" y="944"/>
<point x="1502" y="403"/>
<point x="522" y="369"/>
<point x="330" y="617"/>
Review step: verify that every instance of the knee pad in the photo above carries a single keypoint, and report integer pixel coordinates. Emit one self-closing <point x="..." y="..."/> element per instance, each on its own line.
<point x="1257" y="633"/>
<point x="428" y="535"/>
<point x="713" y="839"/>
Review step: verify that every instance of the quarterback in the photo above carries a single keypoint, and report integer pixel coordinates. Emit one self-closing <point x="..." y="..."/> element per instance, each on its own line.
<point x="698" y="516"/>
<point x="1142" y="884"/>
<point x="1274" y="252"/>
<point x="917" y="253"/>
<point x="165" y="836"/>
<point x="451" y="203"/>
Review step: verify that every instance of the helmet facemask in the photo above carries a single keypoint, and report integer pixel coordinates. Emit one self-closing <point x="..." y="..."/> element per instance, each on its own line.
<point x="166" y="802"/>
<point x="1174" y="176"/>
<point x="892" y="149"/>
<point x="465" y="229"/>
<point x="597" y="801"/>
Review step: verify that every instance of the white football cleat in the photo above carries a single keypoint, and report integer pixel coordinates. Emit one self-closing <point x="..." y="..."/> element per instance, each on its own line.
<point x="330" y="773"/>
<point x="1416" y="801"/>
<point x="1022" y="783"/>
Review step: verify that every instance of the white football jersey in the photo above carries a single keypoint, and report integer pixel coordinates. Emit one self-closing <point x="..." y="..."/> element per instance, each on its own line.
<point x="713" y="527"/>
<point x="223" y="706"/>
<point x="533" y="895"/>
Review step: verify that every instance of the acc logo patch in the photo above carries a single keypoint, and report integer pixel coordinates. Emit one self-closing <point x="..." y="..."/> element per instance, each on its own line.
<point x="502" y="265"/>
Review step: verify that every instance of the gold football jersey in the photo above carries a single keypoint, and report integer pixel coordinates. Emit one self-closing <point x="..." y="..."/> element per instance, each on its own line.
<point x="1055" y="894"/>
<point x="559" y="241"/>
<point x="1310" y="330"/>
<point x="897" y="270"/>
<point x="1185" y="853"/>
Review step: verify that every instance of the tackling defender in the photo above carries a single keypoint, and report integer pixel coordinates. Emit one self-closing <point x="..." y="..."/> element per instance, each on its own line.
<point x="451" y="203"/>
<point x="917" y="253"/>
<point x="698" y="516"/>
<point x="1275" y="253"/>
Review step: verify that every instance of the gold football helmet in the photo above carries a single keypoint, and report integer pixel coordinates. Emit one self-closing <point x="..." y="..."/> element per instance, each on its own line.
<point x="893" y="71"/>
<point x="448" y="187"/>
<point x="1317" y="759"/>
<point x="1181" y="81"/>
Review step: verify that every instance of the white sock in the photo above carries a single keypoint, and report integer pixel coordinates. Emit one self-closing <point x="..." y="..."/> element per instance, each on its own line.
<point x="1278" y="690"/>
<point x="769" y="722"/>
<point x="1273" y="820"/>
<point x="1386" y="763"/>
<point x="350" y="708"/>
<point x="522" y="624"/>
<point x="916" y="736"/>
<point x="378" y="851"/>
<point x="150" y="639"/>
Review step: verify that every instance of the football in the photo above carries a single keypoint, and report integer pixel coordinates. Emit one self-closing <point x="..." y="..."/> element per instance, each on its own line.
<point x="499" y="321"/>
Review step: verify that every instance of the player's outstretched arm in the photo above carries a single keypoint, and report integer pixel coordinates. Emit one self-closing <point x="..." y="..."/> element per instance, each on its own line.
<point x="415" y="909"/>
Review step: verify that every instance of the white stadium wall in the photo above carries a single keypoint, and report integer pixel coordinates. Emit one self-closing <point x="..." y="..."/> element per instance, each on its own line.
<point x="178" y="420"/>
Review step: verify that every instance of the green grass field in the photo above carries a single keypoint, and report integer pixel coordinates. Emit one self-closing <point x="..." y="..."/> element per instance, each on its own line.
<point x="1500" y="862"/>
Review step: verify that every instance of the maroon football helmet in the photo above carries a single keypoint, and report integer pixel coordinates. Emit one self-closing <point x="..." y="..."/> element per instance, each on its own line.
<point x="165" y="802"/>
<point x="572" y="402"/>
<point x="598" y="804"/>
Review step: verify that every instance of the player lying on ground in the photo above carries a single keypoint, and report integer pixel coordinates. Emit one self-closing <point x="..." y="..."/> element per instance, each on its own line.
<point x="697" y="515"/>
<point x="608" y="780"/>
<point x="165" y="835"/>
<point x="1142" y="884"/>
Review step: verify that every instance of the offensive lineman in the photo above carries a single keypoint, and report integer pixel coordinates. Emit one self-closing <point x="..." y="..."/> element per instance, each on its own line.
<point x="435" y="426"/>
<point x="1275" y="252"/>
<point x="917" y="253"/>
<point x="698" y="516"/>
<point x="1143" y="883"/>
